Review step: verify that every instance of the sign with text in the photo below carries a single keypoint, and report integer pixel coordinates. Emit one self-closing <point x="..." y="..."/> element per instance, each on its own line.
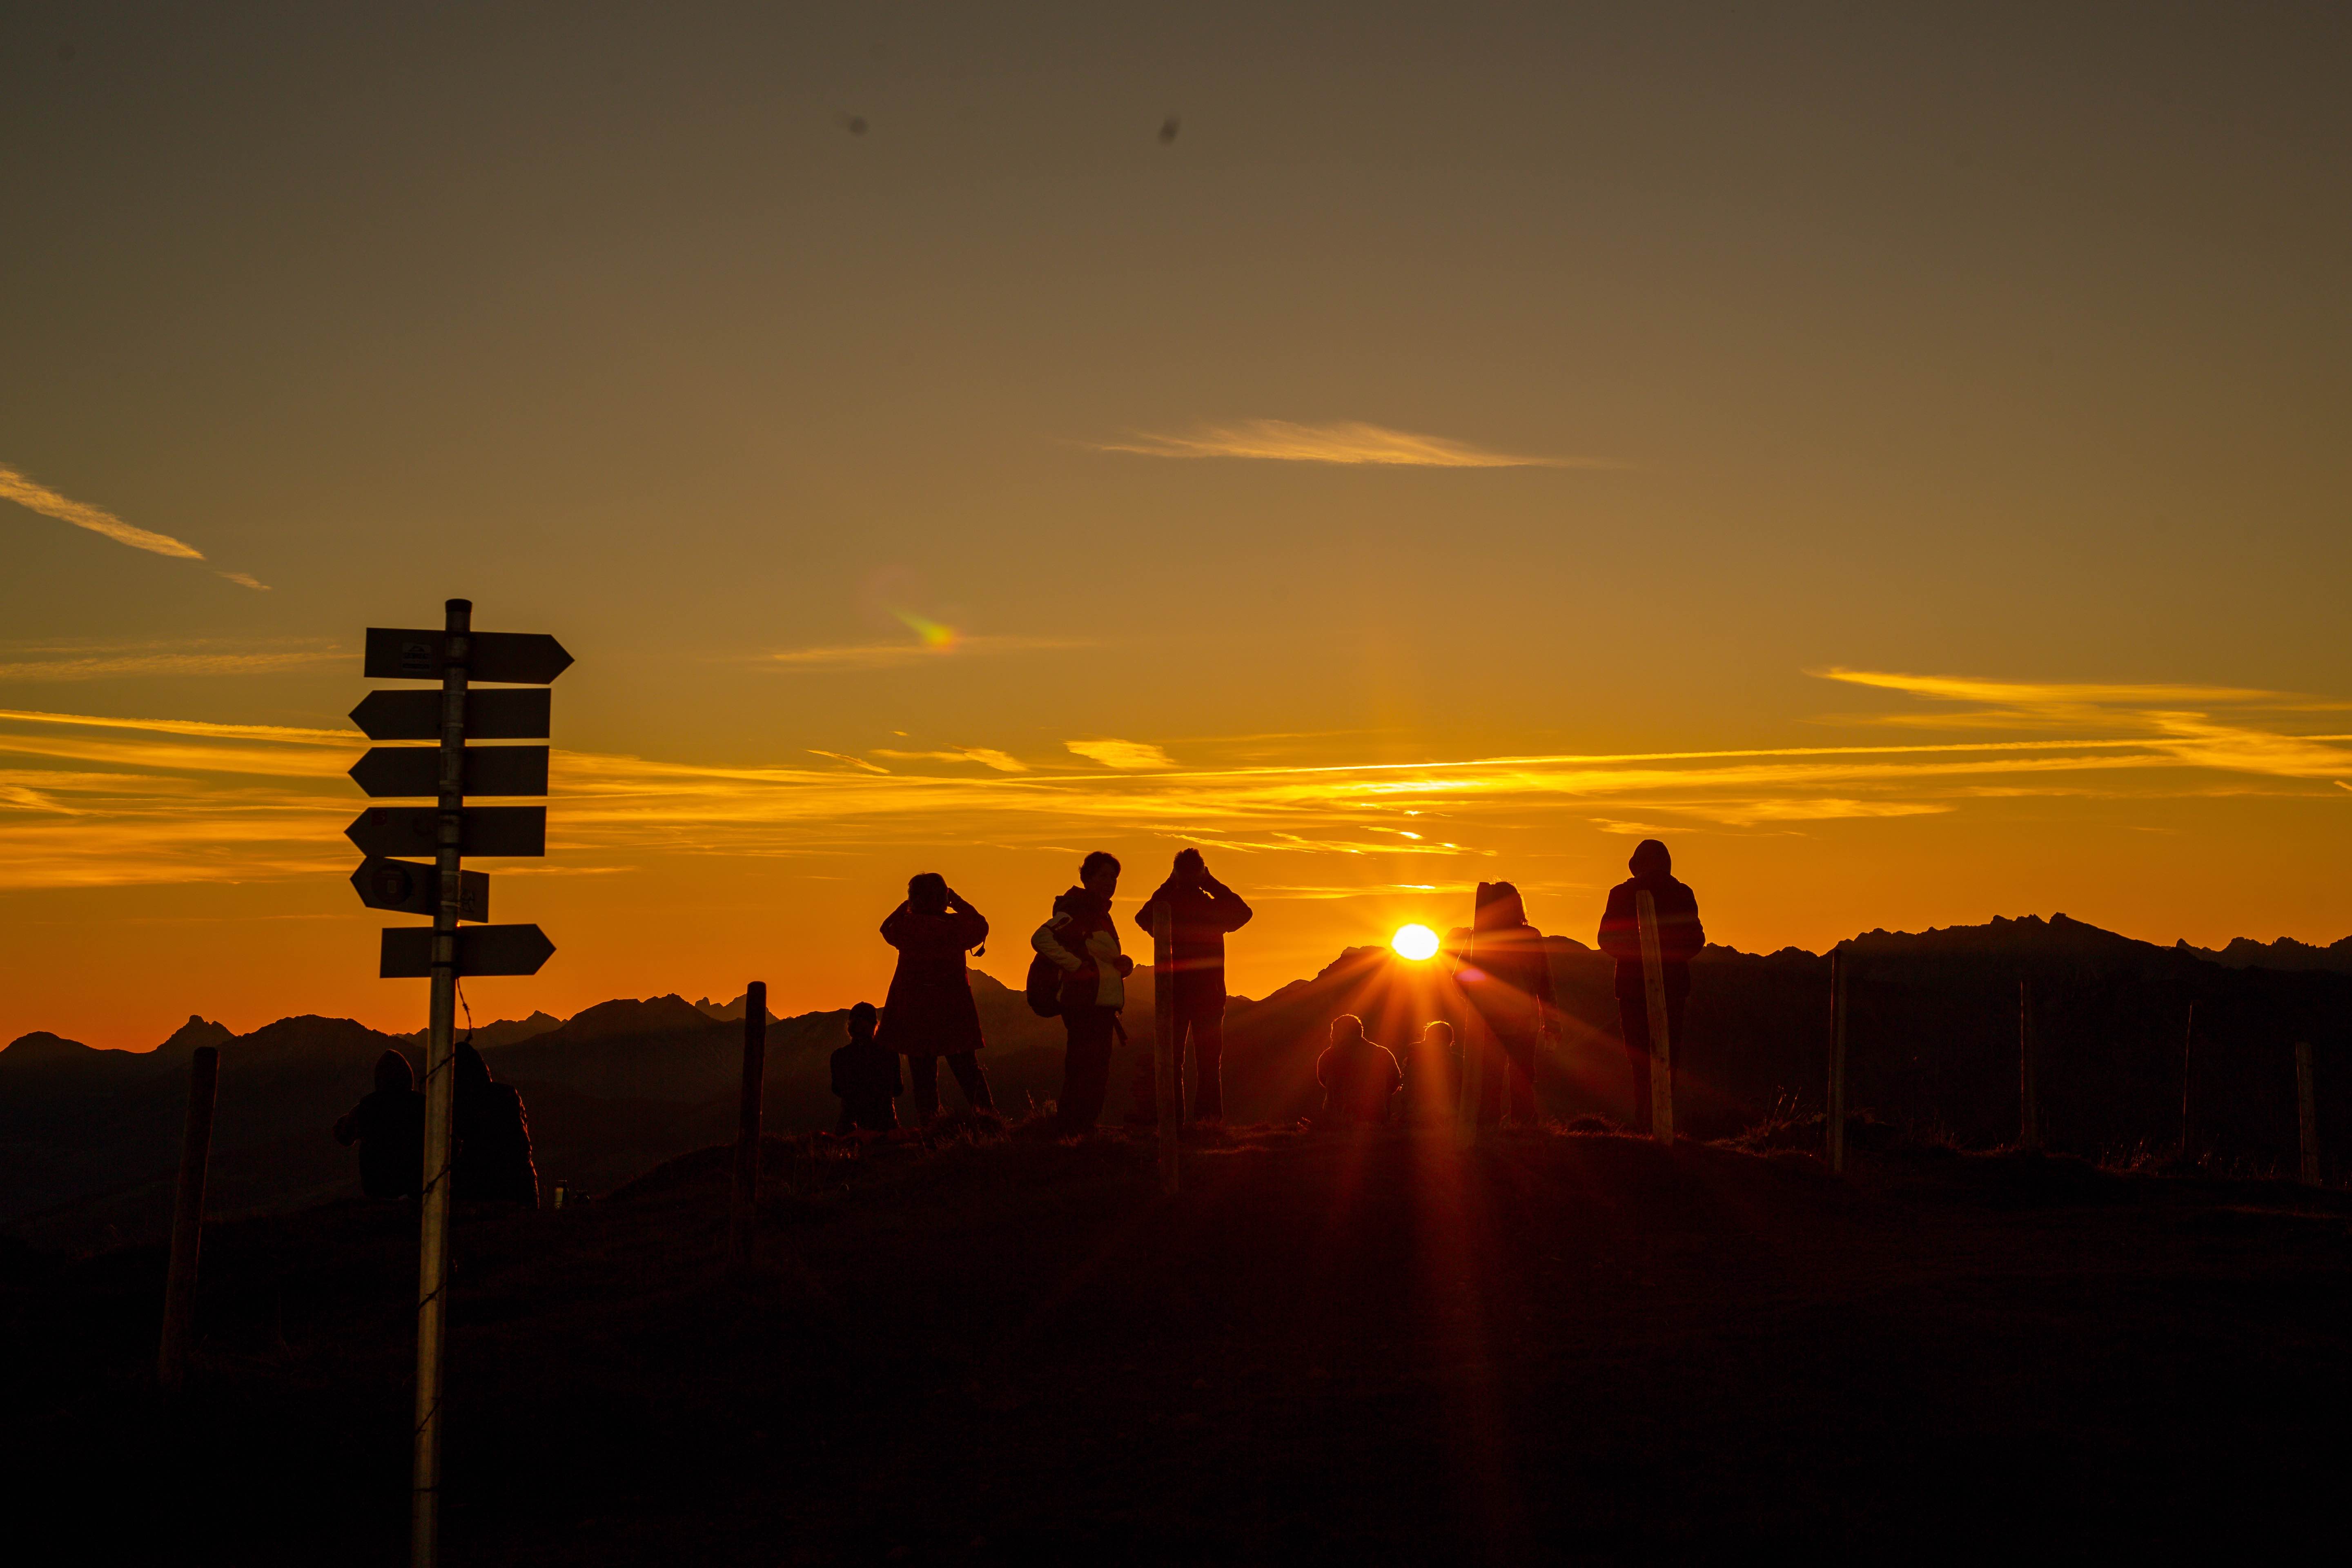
<point x="483" y="830"/>
<point x="488" y="770"/>
<point x="411" y="888"/>
<point x="500" y="713"/>
<point x="482" y="949"/>
<point x="515" y="658"/>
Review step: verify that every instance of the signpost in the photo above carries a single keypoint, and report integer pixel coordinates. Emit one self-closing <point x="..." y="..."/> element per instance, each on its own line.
<point x="448" y="830"/>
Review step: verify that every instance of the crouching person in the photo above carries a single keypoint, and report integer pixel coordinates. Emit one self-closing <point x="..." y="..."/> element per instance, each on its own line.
<point x="865" y="1077"/>
<point x="1081" y="941"/>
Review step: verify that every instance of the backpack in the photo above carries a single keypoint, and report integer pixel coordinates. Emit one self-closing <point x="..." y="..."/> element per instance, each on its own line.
<point x="1043" y="989"/>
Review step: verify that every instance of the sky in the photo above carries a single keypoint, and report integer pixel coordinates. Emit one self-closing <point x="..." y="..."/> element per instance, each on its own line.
<point x="1897" y="459"/>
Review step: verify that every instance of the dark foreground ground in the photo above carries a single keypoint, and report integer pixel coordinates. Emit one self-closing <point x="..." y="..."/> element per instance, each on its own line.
<point x="1561" y="1347"/>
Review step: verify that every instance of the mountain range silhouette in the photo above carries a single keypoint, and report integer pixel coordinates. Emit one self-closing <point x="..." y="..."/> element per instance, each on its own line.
<point x="89" y="1138"/>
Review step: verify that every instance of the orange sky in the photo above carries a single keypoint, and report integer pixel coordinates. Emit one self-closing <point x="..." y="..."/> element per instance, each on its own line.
<point x="1897" y="462"/>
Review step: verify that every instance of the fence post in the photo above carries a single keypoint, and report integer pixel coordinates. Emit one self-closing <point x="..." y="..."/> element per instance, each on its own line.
<point x="1834" y="1125"/>
<point x="743" y="1205"/>
<point x="2306" y="1113"/>
<point x="1662" y="1048"/>
<point x="1164" y="1043"/>
<point x="2188" y="1048"/>
<point x="188" y="1221"/>
<point x="2028" y="1101"/>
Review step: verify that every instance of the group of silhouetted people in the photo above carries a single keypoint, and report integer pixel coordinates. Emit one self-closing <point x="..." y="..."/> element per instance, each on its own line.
<point x="1500" y="962"/>
<point x="491" y="1138"/>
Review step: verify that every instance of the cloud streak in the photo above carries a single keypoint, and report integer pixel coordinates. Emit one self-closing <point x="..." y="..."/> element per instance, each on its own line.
<point x="119" y="663"/>
<point x="896" y="655"/>
<point x="33" y="496"/>
<point x="1348" y="442"/>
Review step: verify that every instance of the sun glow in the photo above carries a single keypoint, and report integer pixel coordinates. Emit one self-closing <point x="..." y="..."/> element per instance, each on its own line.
<point x="1416" y="942"/>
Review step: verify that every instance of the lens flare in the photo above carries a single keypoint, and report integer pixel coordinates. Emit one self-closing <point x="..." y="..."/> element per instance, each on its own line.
<point x="1416" y="942"/>
<point x="933" y="634"/>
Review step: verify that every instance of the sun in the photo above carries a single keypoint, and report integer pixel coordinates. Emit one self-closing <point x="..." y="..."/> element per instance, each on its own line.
<point x="1415" y="942"/>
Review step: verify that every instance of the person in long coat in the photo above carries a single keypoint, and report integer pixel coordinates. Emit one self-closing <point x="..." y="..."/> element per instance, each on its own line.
<point x="1505" y="973"/>
<point x="493" y="1136"/>
<point x="1680" y="938"/>
<point x="929" y="1011"/>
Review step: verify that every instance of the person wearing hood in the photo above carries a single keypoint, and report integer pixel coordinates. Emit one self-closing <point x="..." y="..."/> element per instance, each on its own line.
<point x="929" y="1011"/>
<point x="389" y="1127"/>
<point x="493" y="1159"/>
<point x="1506" y="975"/>
<point x="1202" y="911"/>
<point x="1080" y="940"/>
<point x="1680" y="937"/>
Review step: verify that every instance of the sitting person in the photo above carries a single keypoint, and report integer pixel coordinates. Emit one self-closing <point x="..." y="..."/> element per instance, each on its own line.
<point x="389" y="1127"/>
<point x="865" y="1077"/>
<point x="1432" y="1078"/>
<point x="493" y="1159"/>
<point x="1359" y="1077"/>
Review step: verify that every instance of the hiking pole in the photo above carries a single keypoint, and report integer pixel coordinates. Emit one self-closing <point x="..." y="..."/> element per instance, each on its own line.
<point x="1662" y="1048"/>
<point x="1164" y="1043"/>
<point x="1835" y="1127"/>
<point x="742" y="1209"/>
<point x="188" y="1221"/>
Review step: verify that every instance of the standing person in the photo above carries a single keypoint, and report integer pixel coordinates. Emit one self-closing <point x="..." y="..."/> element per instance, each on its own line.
<point x="1202" y="911"/>
<point x="1507" y="975"/>
<point x="1360" y="1077"/>
<point x="1081" y="941"/>
<point x="930" y="1013"/>
<point x="865" y="1077"/>
<point x="388" y="1125"/>
<point x="1680" y="937"/>
<point x="493" y="1137"/>
<point x="1432" y="1078"/>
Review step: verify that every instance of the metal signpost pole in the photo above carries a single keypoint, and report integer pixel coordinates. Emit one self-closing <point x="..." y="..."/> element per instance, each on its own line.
<point x="742" y="1211"/>
<point x="440" y="1098"/>
<point x="1164" y="1042"/>
<point x="188" y="1222"/>
<point x="1661" y="1047"/>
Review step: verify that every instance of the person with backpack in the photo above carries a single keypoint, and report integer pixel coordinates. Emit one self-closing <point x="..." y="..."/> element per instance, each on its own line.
<point x="1080" y="974"/>
<point x="493" y="1159"/>
<point x="389" y="1127"/>
<point x="1680" y="938"/>
<point x="929" y="1011"/>
<point x="1202" y="911"/>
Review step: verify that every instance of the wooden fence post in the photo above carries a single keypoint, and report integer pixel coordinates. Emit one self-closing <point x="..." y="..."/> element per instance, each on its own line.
<point x="2306" y="1114"/>
<point x="1661" y="1047"/>
<point x="1164" y="1043"/>
<point x="743" y="1209"/>
<point x="2029" y="1099"/>
<point x="1833" y="1124"/>
<point x="188" y="1221"/>
<point x="2188" y="1058"/>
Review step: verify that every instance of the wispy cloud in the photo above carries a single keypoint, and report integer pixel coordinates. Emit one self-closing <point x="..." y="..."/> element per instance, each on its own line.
<point x="1127" y="755"/>
<point x="199" y="657"/>
<point x="33" y="496"/>
<point x="893" y="655"/>
<point x="1344" y="441"/>
<point x="1004" y="763"/>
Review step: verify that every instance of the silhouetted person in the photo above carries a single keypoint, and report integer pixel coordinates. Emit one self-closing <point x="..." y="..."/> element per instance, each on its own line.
<point x="493" y="1137"/>
<point x="1358" y="1077"/>
<point x="865" y="1077"/>
<point x="1680" y="937"/>
<point x="1081" y="941"/>
<point x="1507" y="974"/>
<point x="388" y="1125"/>
<point x="1202" y="910"/>
<point x="929" y="1011"/>
<point x="1432" y="1078"/>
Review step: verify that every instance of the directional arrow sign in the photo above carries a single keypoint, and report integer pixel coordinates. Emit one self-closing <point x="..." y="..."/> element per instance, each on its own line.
<point x="416" y="830"/>
<point x="499" y="713"/>
<point x="416" y="770"/>
<point x="407" y="887"/>
<point x="482" y="949"/>
<point x="521" y="658"/>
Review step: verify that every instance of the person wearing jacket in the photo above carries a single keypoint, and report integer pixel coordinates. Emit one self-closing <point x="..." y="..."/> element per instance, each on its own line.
<point x="389" y="1127"/>
<point x="1202" y="911"/>
<point x="1506" y="975"/>
<point x="865" y="1077"/>
<point x="493" y="1158"/>
<point x="1680" y="937"/>
<point x="1080" y="940"/>
<point x="1360" y="1077"/>
<point x="929" y="1011"/>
